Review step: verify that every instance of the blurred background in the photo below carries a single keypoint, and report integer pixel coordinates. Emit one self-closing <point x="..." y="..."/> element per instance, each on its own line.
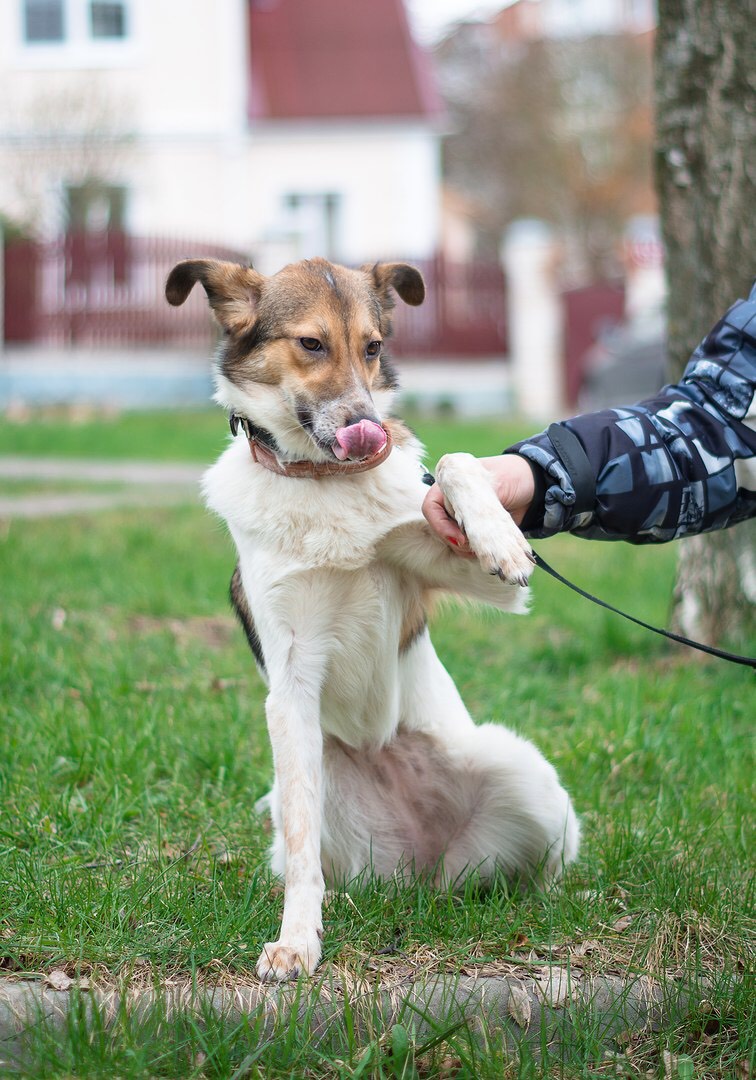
<point x="505" y="149"/>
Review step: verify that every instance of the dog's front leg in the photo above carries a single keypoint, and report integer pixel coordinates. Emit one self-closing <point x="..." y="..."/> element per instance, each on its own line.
<point x="294" y="725"/>
<point x="494" y="538"/>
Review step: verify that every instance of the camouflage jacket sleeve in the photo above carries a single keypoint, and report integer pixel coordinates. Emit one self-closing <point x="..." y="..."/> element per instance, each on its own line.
<point x="681" y="463"/>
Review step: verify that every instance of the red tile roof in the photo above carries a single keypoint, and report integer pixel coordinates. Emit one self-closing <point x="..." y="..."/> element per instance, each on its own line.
<point x="332" y="59"/>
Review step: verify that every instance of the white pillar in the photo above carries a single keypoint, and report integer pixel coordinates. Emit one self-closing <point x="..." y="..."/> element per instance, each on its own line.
<point x="645" y="284"/>
<point x="530" y="256"/>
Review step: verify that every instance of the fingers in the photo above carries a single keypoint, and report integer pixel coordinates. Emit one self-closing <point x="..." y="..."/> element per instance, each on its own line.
<point x="443" y="526"/>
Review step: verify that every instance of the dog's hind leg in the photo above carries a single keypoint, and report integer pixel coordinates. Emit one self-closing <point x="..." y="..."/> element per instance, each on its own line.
<point x="522" y="823"/>
<point x="487" y="803"/>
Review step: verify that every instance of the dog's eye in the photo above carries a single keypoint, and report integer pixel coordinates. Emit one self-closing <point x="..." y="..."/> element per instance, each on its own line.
<point x="373" y="348"/>
<point x="311" y="344"/>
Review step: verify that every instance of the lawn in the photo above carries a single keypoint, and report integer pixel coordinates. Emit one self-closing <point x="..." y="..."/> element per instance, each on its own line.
<point x="133" y="747"/>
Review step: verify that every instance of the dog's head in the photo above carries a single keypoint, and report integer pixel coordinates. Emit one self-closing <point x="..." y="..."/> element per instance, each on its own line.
<point x="303" y="352"/>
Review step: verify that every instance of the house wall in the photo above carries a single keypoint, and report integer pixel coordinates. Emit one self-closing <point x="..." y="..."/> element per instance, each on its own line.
<point x="386" y="177"/>
<point x="164" y="114"/>
<point x="161" y="113"/>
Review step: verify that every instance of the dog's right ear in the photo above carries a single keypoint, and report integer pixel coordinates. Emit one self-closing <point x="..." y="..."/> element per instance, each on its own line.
<point x="232" y="290"/>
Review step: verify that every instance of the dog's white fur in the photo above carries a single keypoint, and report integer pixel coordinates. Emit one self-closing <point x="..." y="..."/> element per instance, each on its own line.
<point x="377" y="761"/>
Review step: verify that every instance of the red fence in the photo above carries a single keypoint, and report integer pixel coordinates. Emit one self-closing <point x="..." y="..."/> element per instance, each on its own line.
<point x="107" y="289"/>
<point x="587" y="311"/>
<point x="464" y="313"/>
<point x="102" y="289"/>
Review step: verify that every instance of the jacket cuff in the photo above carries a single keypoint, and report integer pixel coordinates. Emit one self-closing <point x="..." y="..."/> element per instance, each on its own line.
<point x="565" y="489"/>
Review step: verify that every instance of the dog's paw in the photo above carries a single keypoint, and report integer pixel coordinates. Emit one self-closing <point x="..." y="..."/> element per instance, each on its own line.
<point x="493" y="537"/>
<point x="500" y="547"/>
<point x="280" y="962"/>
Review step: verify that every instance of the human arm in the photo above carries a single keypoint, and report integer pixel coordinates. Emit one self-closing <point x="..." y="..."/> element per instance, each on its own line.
<point x="680" y="463"/>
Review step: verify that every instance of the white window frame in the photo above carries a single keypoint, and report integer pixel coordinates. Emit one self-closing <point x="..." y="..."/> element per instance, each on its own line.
<point x="78" y="49"/>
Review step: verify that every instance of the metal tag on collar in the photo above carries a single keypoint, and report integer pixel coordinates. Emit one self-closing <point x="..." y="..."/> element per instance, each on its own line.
<point x="235" y="422"/>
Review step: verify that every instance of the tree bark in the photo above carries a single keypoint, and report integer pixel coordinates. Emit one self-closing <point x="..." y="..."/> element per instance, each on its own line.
<point x="705" y="158"/>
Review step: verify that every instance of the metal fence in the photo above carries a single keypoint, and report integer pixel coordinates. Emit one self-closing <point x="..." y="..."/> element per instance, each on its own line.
<point x="95" y="289"/>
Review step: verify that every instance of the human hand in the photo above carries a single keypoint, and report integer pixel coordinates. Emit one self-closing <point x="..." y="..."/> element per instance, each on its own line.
<point x="512" y="480"/>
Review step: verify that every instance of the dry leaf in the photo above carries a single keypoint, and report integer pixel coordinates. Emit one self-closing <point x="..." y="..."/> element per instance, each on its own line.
<point x="58" y="980"/>
<point x="622" y="924"/>
<point x="518" y="1004"/>
<point x="219" y="684"/>
<point x="583" y="948"/>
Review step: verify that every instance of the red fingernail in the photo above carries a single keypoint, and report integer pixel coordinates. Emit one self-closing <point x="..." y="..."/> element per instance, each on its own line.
<point x="453" y="541"/>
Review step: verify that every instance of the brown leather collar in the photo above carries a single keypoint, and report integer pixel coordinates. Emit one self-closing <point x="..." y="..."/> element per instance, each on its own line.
<point x="266" y="457"/>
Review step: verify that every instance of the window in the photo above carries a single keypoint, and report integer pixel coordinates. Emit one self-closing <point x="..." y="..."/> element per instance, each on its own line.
<point x="95" y="207"/>
<point x="313" y="220"/>
<point x="43" y="21"/>
<point x="107" y="20"/>
<point x="74" y="24"/>
<point x="97" y="250"/>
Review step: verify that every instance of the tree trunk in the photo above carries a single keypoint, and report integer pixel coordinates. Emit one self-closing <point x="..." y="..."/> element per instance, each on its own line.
<point x="706" y="178"/>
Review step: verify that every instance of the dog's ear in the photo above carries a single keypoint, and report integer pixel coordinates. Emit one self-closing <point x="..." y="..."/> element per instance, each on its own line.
<point x="232" y="290"/>
<point x="406" y="280"/>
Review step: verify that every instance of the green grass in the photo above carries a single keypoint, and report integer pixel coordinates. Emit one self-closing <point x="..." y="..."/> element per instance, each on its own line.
<point x="200" y="435"/>
<point x="133" y="747"/>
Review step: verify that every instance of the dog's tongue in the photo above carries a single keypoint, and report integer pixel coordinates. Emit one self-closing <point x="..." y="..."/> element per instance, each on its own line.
<point x="359" y="440"/>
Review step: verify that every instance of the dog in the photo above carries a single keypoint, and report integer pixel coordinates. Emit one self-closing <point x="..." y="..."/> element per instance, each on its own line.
<point x="378" y="764"/>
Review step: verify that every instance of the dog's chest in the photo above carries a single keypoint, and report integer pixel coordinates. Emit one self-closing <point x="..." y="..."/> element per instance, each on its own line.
<point x="338" y="634"/>
<point x="331" y="522"/>
<point x="323" y="603"/>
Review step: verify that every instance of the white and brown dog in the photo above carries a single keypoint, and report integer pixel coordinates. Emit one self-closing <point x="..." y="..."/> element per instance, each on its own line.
<point x="377" y="762"/>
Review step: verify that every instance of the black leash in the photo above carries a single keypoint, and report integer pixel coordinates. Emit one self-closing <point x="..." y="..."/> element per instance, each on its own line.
<point x="747" y="661"/>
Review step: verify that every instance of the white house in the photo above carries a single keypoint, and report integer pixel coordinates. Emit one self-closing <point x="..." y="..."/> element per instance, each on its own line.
<point x="280" y="128"/>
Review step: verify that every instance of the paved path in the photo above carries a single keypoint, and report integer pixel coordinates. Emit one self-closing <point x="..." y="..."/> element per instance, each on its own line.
<point x="543" y="1011"/>
<point x="169" y="378"/>
<point x="143" y="484"/>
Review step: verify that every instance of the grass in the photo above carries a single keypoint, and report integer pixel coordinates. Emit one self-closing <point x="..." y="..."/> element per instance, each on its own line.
<point x="133" y="747"/>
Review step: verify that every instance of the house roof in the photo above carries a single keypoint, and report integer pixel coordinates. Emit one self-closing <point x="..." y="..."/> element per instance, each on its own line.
<point x="336" y="59"/>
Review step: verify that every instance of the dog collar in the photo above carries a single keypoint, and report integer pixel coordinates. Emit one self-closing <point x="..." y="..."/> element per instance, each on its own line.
<point x="261" y="445"/>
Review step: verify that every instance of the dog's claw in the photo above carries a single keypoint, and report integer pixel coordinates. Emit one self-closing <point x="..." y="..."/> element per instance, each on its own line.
<point x="531" y="556"/>
<point x="518" y="579"/>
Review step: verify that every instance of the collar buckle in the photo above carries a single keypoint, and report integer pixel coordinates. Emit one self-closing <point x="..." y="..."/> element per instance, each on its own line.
<point x="235" y="422"/>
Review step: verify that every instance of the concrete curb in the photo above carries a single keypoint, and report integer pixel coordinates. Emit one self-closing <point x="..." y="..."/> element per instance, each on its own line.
<point x="146" y="484"/>
<point x="544" y="1011"/>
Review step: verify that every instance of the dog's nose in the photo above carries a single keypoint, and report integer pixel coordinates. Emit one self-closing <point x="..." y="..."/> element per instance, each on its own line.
<point x="359" y="440"/>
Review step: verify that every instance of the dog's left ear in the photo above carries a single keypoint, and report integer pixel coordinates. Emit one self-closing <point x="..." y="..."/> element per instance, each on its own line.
<point x="232" y="290"/>
<point x="406" y="280"/>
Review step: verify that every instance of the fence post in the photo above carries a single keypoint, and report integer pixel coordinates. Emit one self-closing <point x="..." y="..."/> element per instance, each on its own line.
<point x="530" y="258"/>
